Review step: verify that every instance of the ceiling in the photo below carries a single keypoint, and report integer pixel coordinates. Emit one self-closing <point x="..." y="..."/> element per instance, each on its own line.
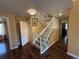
<point x="20" y="7"/>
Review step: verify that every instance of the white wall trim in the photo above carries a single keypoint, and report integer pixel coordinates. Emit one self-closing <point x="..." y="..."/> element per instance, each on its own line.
<point x="14" y="47"/>
<point x="73" y="55"/>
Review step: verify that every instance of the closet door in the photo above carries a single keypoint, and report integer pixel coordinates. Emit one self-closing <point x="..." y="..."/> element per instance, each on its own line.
<point x="24" y="32"/>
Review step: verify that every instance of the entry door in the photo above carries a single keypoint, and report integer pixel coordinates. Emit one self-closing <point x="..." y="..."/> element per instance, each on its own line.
<point x="24" y="32"/>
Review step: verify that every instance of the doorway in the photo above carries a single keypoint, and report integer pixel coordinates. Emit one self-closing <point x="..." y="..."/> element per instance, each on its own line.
<point x="64" y="29"/>
<point x="64" y="35"/>
<point x="4" y="39"/>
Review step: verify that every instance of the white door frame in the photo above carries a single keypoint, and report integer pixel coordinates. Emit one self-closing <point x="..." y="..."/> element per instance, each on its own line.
<point x="9" y="34"/>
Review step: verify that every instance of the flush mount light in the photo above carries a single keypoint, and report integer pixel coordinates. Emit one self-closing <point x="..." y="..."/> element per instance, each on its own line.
<point x="32" y="11"/>
<point x="60" y="14"/>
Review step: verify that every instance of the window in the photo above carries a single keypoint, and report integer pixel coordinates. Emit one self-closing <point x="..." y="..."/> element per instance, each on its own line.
<point x="2" y="29"/>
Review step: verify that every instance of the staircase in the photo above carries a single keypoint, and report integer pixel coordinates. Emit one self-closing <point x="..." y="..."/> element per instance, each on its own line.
<point x="46" y="38"/>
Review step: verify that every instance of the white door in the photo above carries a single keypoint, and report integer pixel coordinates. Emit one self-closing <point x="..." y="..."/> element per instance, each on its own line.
<point x="24" y="32"/>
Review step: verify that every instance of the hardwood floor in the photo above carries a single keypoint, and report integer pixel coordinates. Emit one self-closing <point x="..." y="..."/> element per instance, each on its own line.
<point x="57" y="51"/>
<point x="27" y="52"/>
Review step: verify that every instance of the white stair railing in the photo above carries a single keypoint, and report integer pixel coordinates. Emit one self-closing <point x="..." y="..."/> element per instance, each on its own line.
<point x="45" y="35"/>
<point x="42" y="40"/>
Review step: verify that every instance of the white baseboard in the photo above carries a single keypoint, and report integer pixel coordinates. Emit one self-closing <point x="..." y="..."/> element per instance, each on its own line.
<point x="14" y="47"/>
<point x="49" y="46"/>
<point x="73" y="55"/>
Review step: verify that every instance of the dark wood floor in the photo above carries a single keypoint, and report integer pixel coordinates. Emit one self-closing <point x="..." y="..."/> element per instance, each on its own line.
<point x="57" y="51"/>
<point x="26" y="52"/>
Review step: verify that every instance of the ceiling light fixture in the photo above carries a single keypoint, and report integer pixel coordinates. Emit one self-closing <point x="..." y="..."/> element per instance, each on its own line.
<point x="32" y="11"/>
<point x="60" y="14"/>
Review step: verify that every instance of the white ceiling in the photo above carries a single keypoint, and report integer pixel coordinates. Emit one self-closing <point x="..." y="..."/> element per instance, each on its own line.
<point x="20" y="7"/>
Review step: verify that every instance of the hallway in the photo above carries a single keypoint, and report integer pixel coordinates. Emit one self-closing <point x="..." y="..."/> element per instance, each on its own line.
<point x="57" y="51"/>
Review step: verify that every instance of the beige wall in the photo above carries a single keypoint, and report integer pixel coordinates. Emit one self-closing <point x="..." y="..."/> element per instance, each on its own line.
<point x="29" y="29"/>
<point x="34" y="31"/>
<point x="73" y="32"/>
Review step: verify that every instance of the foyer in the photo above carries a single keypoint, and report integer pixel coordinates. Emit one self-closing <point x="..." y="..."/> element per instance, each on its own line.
<point x="39" y="29"/>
